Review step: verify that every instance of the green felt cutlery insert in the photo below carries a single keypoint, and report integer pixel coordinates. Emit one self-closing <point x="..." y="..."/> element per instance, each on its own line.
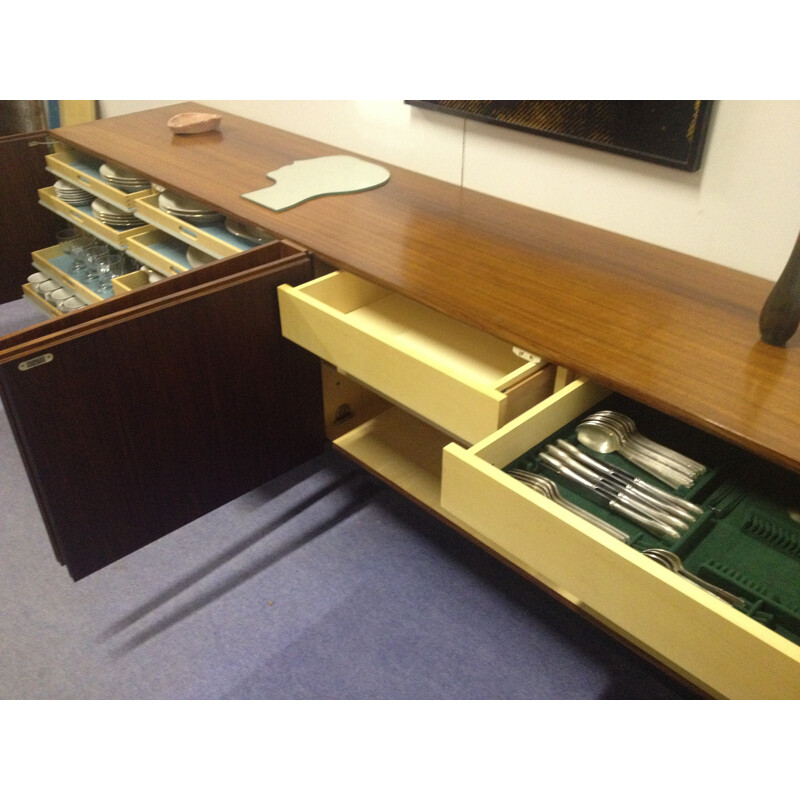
<point x="745" y="541"/>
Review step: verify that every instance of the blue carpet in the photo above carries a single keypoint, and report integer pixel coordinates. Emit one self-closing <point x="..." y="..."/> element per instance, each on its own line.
<point x="322" y="584"/>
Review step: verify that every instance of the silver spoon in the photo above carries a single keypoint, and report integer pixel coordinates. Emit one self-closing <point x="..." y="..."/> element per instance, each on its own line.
<point x="630" y="429"/>
<point x="602" y="438"/>
<point x="633" y="442"/>
<point x="672" y="561"/>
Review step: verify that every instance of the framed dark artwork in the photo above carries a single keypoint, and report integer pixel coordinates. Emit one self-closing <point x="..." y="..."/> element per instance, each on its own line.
<point x="667" y="132"/>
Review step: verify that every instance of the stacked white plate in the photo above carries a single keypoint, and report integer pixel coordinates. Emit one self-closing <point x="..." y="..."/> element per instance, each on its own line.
<point x="249" y="233"/>
<point x="72" y="194"/>
<point x="197" y="258"/>
<point x="189" y="210"/>
<point x="123" y="179"/>
<point x="111" y="215"/>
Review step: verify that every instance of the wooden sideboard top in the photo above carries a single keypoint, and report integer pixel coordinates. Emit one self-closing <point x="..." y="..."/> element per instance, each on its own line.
<point x="675" y="332"/>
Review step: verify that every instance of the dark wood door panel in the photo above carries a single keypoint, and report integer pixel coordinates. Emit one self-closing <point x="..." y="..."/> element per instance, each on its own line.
<point x="24" y="224"/>
<point x="140" y="427"/>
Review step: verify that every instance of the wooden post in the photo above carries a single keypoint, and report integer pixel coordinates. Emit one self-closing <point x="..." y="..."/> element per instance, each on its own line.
<point x="780" y="315"/>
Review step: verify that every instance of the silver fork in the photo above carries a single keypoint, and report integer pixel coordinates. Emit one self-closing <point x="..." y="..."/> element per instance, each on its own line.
<point x="549" y="489"/>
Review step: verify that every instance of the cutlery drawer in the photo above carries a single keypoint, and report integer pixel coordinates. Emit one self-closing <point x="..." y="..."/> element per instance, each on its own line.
<point x="725" y="651"/>
<point x="215" y="240"/>
<point x="82" y="217"/>
<point x="53" y="262"/>
<point x="462" y="380"/>
<point x="83" y="171"/>
<point x="159" y="250"/>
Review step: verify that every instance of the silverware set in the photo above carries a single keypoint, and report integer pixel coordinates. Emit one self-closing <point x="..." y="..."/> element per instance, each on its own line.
<point x="611" y="431"/>
<point x="655" y="510"/>
<point x="549" y="489"/>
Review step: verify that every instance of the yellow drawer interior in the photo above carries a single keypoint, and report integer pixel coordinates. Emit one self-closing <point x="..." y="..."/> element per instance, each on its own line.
<point x="462" y="380"/>
<point x="159" y="250"/>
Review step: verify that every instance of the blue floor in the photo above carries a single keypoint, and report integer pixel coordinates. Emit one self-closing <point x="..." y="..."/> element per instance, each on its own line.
<point x="322" y="584"/>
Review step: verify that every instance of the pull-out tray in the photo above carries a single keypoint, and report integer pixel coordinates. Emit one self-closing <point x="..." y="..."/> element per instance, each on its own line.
<point x="465" y="381"/>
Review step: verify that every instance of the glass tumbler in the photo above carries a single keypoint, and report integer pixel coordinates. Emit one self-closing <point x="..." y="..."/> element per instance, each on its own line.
<point x="66" y="237"/>
<point x="111" y="265"/>
<point x="91" y="272"/>
<point x="79" y="247"/>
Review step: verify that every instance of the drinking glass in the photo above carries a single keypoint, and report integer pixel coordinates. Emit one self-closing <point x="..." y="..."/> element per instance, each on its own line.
<point x="91" y="269"/>
<point x="111" y="265"/>
<point x="66" y="237"/>
<point x="77" y="247"/>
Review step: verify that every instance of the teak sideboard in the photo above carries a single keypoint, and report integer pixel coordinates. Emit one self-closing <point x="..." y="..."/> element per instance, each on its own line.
<point x="391" y="322"/>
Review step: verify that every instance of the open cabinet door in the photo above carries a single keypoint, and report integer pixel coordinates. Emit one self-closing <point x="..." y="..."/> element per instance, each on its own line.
<point x="24" y="224"/>
<point x="133" y="423"/>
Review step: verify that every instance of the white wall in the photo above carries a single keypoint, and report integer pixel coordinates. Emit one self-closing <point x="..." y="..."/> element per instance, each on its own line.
<point x="742" y="208"/>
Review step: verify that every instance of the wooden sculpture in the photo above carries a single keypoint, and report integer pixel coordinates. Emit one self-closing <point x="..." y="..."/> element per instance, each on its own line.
<point x="780" y="315"/>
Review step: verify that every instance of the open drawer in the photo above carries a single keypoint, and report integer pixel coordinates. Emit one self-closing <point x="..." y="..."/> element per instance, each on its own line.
<point x="465" y="381"/>
<point x="57" y="265"/>
<point x="160" y="251"/>
<point x="84" y="170"/>
<point x="725" y="651"/>
<point x="83" y="217"/>
<point x="215" y="240"/>
<point x="31" y="295"/>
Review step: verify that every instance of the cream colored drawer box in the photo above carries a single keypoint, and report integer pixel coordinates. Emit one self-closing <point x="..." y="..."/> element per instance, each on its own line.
<point x="462" y="380"/>
<point x="76" y="216"/>
<point x="701" y="637"/>
<point x="82" y="170"/>
<point x="213" y="239"/>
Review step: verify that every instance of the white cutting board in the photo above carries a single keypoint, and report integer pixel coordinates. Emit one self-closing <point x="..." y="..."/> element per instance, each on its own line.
<point x="313" y="177"/>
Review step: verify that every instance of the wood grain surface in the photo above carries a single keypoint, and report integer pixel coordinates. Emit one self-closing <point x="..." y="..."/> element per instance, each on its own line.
<point x="153" y="419"/>
<point x="676" y="332"/>
<point x="24" y="224"/>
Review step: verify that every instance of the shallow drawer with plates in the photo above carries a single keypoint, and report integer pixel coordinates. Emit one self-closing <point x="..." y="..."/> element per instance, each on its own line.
<point x="93" y="175"/>
<point x="464" y="381"/>
<point x="735" y="631"/>
<point x="83" y="217"/>
<point x="214" y="238"/>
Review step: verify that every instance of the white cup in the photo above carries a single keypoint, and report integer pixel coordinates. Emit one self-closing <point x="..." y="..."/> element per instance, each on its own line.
<point x="47" y="286"/>
<point x="59" y="295"/>
<point x="71" y="304"/>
